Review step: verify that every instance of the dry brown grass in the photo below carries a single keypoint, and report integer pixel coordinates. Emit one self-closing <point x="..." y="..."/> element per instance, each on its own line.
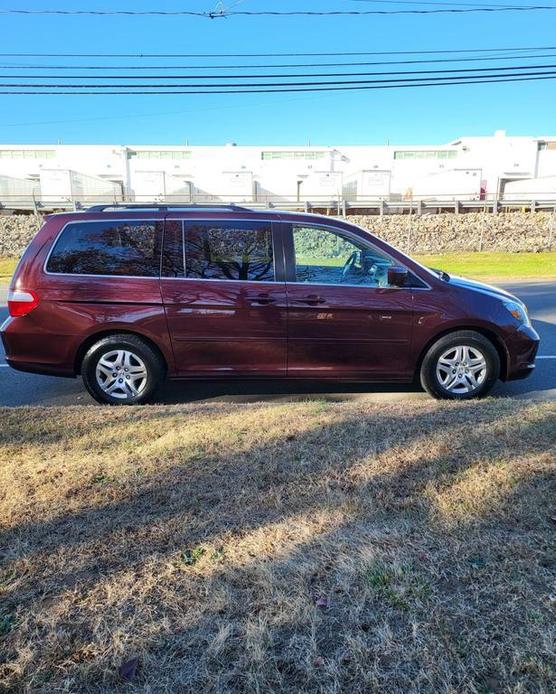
<point x="308" y="547"/>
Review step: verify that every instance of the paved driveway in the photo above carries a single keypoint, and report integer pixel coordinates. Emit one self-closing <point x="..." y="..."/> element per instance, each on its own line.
<point x="27" y="389"/>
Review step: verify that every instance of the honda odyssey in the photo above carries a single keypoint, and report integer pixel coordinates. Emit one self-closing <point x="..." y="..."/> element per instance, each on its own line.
<point x="126" y="296"/>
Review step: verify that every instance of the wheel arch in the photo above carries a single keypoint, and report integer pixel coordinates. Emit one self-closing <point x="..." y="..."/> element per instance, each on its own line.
<point x="95" y="337"/>
<point x="485" y="332"/>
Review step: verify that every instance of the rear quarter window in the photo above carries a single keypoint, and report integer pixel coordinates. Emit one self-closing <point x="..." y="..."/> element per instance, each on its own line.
<point x="121" y="248"/>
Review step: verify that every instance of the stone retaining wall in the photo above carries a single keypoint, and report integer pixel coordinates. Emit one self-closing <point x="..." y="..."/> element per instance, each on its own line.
<point x="428" y="233"/>
<point x="15" y="233"/>
<point x="473" y="231"/>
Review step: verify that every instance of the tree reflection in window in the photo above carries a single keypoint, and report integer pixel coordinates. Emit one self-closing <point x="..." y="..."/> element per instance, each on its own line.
<point x="229" y="251"/>
<point x="107" y="248"/>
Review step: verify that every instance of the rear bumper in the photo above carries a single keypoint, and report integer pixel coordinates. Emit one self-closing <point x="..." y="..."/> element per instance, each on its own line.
<point x="36" y="352"/>
<point x="38" y="368"/>
<point x="522" y="351"/>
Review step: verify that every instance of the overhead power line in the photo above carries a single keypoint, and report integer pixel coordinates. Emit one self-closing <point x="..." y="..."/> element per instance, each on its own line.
<point x="241" y="87"/>
<point x="546" y="76"/>
<point x="276" y="75"/>
<point x="273" y="66"/>
<point x="426" y="2"/>
<point x="275" y="54"/>
<point x="447" y="4"/>
<point x="275" y="13"/>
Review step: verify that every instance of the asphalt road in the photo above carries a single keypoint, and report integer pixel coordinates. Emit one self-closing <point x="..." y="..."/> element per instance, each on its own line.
<point x="28" y="389"/>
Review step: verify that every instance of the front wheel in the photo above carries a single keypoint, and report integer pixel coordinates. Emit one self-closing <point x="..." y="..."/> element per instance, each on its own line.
<point x="460" y="366"/>
<point x="122" y="370"/>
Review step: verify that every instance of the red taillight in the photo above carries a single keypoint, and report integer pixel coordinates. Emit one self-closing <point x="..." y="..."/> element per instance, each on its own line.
<point x="21" y="302"/>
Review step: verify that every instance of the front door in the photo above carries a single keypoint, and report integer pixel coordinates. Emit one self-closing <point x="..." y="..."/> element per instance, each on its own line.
<point x="224" y="298"/>
<point x="345" y="321"/>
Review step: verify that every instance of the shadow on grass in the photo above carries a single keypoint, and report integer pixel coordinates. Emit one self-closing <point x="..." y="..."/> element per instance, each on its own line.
<point x="239" y="486"/>
<point x="409" y="601"/>
<point x="175" y="392"/>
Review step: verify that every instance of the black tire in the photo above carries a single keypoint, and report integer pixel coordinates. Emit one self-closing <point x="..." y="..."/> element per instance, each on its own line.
<point x="431" y="381"/>
<point x="139" y="388"/>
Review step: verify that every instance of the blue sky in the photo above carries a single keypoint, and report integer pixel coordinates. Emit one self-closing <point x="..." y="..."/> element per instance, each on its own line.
<point x="433" y="114"/>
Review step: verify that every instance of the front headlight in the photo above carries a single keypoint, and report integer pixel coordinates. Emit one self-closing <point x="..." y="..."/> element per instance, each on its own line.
<point x="518" y="311"/>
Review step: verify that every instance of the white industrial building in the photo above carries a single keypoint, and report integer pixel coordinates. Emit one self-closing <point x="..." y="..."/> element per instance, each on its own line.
<point x="469" y="169"/>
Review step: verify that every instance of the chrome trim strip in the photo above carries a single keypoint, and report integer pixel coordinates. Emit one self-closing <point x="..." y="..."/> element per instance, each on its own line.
<point x="274" y="283"/>
<point x="360" y="286"/>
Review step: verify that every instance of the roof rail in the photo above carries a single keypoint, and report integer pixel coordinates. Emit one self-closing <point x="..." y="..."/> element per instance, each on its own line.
<point x="163" y="207"/>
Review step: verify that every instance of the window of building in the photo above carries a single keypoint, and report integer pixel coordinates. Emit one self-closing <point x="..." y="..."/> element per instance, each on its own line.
<point x="108" y="248"/>
<point x="161" y="154"/>
<point x="323" y="256"/>
<point x="426" y="154"/>
<point x="299" y="155"/>
<point x="229" y="251"/>
<point x="27" y="154"/>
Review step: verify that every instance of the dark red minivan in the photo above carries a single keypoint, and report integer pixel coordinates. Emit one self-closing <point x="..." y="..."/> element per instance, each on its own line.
<point x="128" y="296"/>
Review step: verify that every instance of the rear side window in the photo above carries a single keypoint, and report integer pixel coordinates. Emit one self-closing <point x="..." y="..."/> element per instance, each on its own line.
<point x="123" y="248"/>
<point x="229" y="251"/>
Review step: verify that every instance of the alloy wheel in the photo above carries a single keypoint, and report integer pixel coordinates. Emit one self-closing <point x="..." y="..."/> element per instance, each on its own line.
<point x="121" y="374"/>
<point x="461" y="369"/>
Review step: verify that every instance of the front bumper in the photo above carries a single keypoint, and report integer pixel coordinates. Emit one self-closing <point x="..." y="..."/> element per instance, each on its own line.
<point x="522" y="351"/>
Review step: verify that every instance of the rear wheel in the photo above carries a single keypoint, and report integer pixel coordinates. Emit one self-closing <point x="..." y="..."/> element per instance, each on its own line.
<point x="122" y="370"/>
<point x="460" y="366"/>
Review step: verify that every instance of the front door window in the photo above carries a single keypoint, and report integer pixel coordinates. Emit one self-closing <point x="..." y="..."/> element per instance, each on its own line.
<point x="323" y="256"/>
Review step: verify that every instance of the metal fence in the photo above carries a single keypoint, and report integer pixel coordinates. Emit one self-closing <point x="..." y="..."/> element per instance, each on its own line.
<point x="338" y="205"/>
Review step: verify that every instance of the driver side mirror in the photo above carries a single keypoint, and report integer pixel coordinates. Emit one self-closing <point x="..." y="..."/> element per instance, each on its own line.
<point x="397" y="276"/>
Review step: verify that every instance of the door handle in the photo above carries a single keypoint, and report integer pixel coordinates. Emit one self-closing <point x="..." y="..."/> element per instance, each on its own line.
<point x="312" y="300"/>
<point x="261" y="299"/>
